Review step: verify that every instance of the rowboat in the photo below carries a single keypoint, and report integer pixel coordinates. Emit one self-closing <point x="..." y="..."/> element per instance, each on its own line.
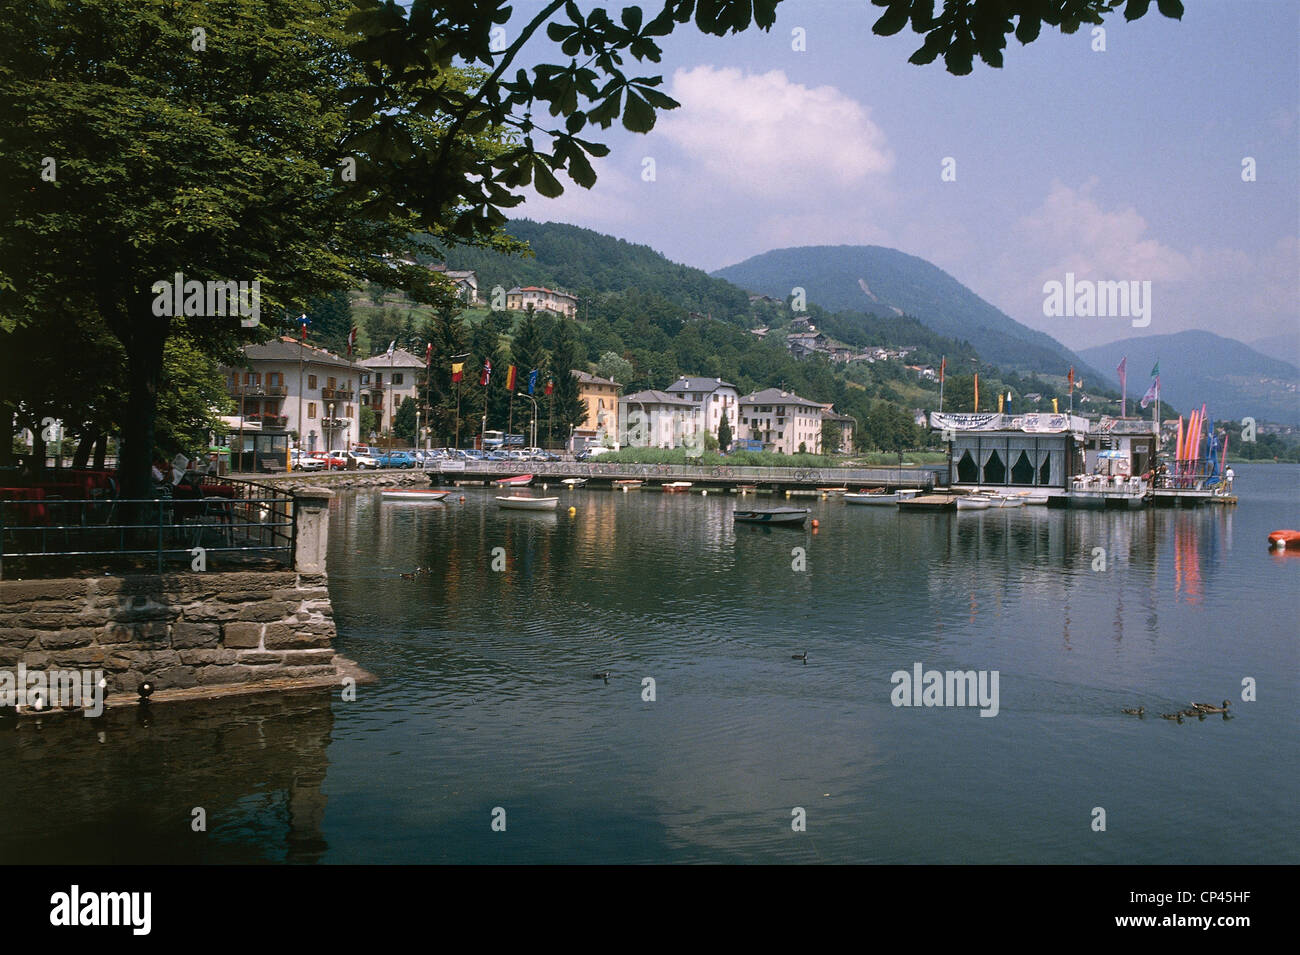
<point x="1006" y="500"/>
<point x="519" y="480"/>
<point x="974" y="502"/>
<point x="628" y="484"/>
<point x="412" y="494"/>
<point x="519" y="503"/>
<point x="675" y="486"/>
<point x="574" y="482"/>
<point x="878" y="497"/>
<point x="928" y="502"/>
<point x="791" y="516"/>
<point x="1034" y="497"/>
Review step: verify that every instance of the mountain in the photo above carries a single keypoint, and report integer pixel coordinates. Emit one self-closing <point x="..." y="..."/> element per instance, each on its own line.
<point x="873" y="279"/>
<point x="1231" y="379"/>
<point x="1286" y="347"/>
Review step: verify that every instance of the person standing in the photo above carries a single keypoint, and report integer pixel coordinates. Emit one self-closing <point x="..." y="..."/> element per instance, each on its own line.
<point x="1228" y="476"/>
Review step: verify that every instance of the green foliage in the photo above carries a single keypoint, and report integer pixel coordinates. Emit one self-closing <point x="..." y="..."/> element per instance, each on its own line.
<point x="615" y="367"/>
<point x="724" y="433"/>
<point x="404" y="420"/>
<point x="366" y="420"/>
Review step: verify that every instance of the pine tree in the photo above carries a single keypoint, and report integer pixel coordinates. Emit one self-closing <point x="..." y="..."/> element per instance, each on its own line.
<point x="567" y="408"/>
<point x="724" y="433"/>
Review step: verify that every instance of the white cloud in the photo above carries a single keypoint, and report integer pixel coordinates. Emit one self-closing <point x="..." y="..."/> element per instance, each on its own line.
<point x="761" y="133"/>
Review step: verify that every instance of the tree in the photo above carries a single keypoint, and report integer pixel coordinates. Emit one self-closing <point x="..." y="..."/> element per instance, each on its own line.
<point x="615" y="367"/>
<point x="404" y="420"/>
<point x="366" y="422"/>
<point x="724" y="433"/>
<point x="567" y="408"/>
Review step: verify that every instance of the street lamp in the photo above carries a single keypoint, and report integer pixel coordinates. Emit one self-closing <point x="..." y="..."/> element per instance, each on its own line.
<point x="329" y="427"/>
<point x="534" y="427"/>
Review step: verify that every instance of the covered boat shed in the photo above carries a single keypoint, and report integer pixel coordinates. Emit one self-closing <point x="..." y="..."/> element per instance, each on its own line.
<point x="999" y="450"/>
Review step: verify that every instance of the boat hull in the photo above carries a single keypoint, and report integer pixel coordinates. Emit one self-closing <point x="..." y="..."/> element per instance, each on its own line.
<point x="783" y="516"/>
<point x="876" y="500"/>
<point x="528" y="503"/>
<point x="928" y="502"/>
<point x="410" y="494"/>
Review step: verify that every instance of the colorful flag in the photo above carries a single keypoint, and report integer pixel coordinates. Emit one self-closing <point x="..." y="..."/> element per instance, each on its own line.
<point x="1153" y="393"/>
<point x="532" y="381"/>
<point x="511" y="374"/>
<point x="303" y="322"/>
<point x="428" y="355"/>
<point x="352" y="340"/>
<point x="943" y="366"/>
<point x="1000" y="402"/>
<point x="1155" y="369"/>
<point x="391" y="346"/>
<point x="1070" y="379"/>
<point x="1055" y="409"/>
<point x="977" y="391"/>
<point x="484" y="378"/>
<point x="457" y="371"/>
<point x="550" y="385"/>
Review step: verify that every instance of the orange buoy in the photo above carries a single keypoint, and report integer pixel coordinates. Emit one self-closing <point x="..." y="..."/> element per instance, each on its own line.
<point x="462" y="498"/>
<point x="1284" y="539"/>
<point x="815" y="524"/>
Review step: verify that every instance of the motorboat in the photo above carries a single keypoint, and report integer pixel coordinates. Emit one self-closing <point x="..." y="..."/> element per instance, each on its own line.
<point x="974" y="502"/>
<point x="878" y="497"/>
<point x="518" y="502"/>
<point x="574" y="482"/>
<point x="518" y="480"/>
<point x="677" y="486"/>
<point x="787" y="516"/>
<point x="412" y="494"/>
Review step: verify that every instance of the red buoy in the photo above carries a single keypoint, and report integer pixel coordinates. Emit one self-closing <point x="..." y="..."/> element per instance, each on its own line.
<point x="1284" y="539"/>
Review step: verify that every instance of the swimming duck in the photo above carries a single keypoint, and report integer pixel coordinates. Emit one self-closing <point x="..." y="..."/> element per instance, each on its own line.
<point x="1172" y="716"/>
<point x="1210" y="708"/>
<point x="1190" y="712"/>
<point x="1138" y="712"/>
<point x="601" y="675"/>
<point x="800" y="656"/>
<point x="407" y="576"/>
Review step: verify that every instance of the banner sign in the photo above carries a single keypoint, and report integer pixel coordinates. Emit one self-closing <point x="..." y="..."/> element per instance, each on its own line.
<point x="943" y="421"/>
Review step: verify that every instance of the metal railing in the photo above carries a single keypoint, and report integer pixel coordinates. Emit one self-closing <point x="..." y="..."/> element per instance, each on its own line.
<point x="910" y="477"/>
<point x="233" y="517"/>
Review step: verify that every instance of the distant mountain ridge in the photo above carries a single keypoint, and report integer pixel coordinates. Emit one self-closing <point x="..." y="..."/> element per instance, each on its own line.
<point x="879" y="280"/>
<point x="1233" y="380"/>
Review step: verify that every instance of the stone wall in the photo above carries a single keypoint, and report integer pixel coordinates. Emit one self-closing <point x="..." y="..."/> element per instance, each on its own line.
<point x="177" y="630"/>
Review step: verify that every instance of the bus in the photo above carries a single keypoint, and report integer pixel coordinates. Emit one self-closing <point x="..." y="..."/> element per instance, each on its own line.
<point x="496" y="440"/>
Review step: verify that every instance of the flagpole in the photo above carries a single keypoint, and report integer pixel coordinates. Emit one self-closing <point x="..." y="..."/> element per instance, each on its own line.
<point x="941" y="369"/>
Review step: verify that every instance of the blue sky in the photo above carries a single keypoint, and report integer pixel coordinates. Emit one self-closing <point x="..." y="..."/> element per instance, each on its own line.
<point x="1117" y="165"/>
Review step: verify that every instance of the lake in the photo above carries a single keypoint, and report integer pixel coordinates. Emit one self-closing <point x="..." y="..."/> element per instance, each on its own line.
<point x="486" y="706"/>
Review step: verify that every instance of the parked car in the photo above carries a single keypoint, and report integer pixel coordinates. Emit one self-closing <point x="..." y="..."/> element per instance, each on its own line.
<point x="397" y="459"/>
<point x="361" y="460"/>
<point x="331" y="460"/>
<point x="304" y="462"/>
<point x="517" y="455"/>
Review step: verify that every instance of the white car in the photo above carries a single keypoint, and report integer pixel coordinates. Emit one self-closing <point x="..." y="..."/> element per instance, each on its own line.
<point x="303" y="462"/>
<point x="361" y="461"/>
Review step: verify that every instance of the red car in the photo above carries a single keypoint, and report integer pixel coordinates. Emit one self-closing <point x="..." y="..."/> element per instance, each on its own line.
<point x="332" y="461"/>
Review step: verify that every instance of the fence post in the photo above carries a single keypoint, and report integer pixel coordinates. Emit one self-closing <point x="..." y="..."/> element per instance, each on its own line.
<point x="311" y="525"/>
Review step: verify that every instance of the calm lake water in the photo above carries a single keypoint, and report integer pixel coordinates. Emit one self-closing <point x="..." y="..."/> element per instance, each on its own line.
<point x="486" y="698"/>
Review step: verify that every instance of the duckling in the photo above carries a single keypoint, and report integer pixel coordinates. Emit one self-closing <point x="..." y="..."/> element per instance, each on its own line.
<point x="1172" y="716"/>
<point x="800" y="656"/>
<point x="1190" y="712"/>
<point x="1138" y="712"/>
<point x="1211" y="708"/>
<point x="407" y="576"/>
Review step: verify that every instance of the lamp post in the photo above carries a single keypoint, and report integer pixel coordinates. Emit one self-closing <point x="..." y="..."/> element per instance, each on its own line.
<point x="534" y="425"/>
<point x="329" y="428"/>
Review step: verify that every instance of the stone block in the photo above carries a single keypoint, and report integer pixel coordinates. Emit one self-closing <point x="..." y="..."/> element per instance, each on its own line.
<point x="265" y="610"/>
<point x="283" y="636"/>
<point x="175" y="677"/>
<point x="64" y="639"/>
<point x="259" y="657"/>
<point x="243" y="636"/>
<point x="205" y="658"/>
<point x="190" y="636"/>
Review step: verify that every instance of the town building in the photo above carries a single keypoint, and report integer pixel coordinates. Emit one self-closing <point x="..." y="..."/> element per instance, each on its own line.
<point x="714" y="397"/>
<point x="465" y="280"/>
<point x="387" y="381"/>
<point x="542" y="299"/>
<point x="601" y="396"/>
<point x="287" y="387"/>
<point x="844" y="425"/>
<point x="781" y="421"/>
<point x="656" y="419"/>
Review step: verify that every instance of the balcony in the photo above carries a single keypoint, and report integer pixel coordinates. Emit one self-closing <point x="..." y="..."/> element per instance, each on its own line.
<point x="337" y="394"/>
<point x="335" y="422"/>
<point x="272" y="421"/>
<point x="235" y="390"/>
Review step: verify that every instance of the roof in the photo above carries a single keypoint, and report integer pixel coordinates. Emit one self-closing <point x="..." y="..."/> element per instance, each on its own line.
<point x="652" y="397"/>
<point x="775" y="396"/>
<point x="401" y="359"/>
<point x="286" y="348"/>
<point x="588" y="379"/>
<point x="694" y="383"/>
<point x="539" y="288"/>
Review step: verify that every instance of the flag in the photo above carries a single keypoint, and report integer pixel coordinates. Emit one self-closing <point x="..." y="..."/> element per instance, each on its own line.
<point x="511" y="374"/>
<point x="999" y="402"/>
<point x="943" y="366"/>
<point x="428" y="355"/>
<point x="352" y="340"/>
<point x="1155" y="369"/>
<point x="977" y="391"/>
<point x="1070" y="379"/>
<point x="1008" y="401"/>
<point x="484" y="378"/>
<point x="1122" y="369"/>
<point x="550" y="385"/>
<point x="1153" y="393"/>
<point x="1055" y="409"/>
<point x="303" y="322"/>
<point x="391" y="346"/>
<point x="457" y="371"/>
<point x="532" y="381"/>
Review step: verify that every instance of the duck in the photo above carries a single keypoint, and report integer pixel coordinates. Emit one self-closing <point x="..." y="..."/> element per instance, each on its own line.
<point x="800" y="656"/>
<point x="1190" y="712"/>
<point x="1172" y="716"/>
<point x="410" y="576"/>
<point x="1137" y="712"/>
<point x="1211" y="708"/>
<point x="601" y="675"/>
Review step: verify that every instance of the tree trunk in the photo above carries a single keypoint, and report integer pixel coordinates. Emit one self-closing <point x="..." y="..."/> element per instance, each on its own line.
<point x="84" y="446"/>
<point x="7" y="457"/>
<point x="101" y="450"/>
<point x="144" y="364"/>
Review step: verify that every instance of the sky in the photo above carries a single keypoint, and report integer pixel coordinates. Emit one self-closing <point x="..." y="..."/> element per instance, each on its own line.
<point x="1117" y="165"/>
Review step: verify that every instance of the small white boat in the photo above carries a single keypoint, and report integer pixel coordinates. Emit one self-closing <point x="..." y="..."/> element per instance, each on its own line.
<point x="973" y="502"/>
<point x="628" y="484"/>
<point x="574" y="482"/>
<point x="674" y="486"/>
<point x="786" y="516"/>
<point x="412" y="494"/>
<point x="878" y="497"/>
<point x="519" y="503"/>
<point x="518" y="480"/>
<point x="1033" y="497"/>
<point x="1006" y="500"/>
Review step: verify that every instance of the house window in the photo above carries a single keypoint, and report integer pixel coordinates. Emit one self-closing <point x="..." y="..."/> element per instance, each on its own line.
<point x="311" y="410"/>
<point x="273" y="379"/>
<point x="332" y="383"/>
<point x="379" y="378"/>
<point x="348" y="411"/>
<point x="311" y="381"/>
<point x="397" y="378"/>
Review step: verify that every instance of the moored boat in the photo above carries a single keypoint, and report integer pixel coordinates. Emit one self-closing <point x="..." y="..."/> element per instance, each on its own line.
<point x="412" y="494"/>
<point x="1006" y="500"/>
<point x="518" y="480"/>
<point x="517" y="502"/>
<point x="1284" y="540"/>
<point x="974" y="502"/>
<point x="677" y="486"/>
<point x="928" y="502"/>
<point x="789" y="516"/>
<point x="628" y="484"/>
<point x="574" y="482"/>
<point x="873" y="498"/>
